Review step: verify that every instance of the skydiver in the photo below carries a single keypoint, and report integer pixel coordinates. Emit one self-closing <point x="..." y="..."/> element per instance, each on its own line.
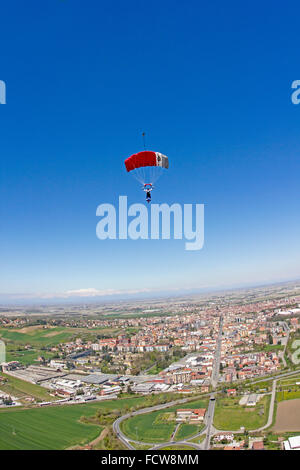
<point x="148" y="188"/>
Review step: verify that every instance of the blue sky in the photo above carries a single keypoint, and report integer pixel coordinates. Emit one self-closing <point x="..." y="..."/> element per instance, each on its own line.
<point x="210" y="85"/>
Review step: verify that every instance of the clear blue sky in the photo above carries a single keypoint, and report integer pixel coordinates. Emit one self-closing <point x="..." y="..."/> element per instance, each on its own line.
<point x="210" y="83"/>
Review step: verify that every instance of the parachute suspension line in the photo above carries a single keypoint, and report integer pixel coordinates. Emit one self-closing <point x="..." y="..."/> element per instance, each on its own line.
<point x="143" y="174"/>
<point x="153" y="172"/>
<point x="137" y="174"/>
<point x="157" y="173"/>
<point x="140" y="174"/>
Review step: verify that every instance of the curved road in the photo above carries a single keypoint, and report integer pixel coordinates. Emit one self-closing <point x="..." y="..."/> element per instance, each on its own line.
<point x="126" y="441"/>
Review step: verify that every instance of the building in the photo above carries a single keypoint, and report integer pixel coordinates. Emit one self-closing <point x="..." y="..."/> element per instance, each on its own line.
<point x="293" y="443"/>
<point x="144" y="388"/>
<point x="57" y="365"/>
<point x="252" y="399"/>
<point x="190" y="415"/>
<point x="224" y="436"/>
<point x="13" y="365"/>
<point x="258" y="445"/>
<point x="110" y="390"/>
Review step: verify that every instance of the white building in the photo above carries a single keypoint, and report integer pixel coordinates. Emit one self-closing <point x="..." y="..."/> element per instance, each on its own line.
<point x="252" y="399"/>
<point x="57" y="365"/>
<point x="144" y="388"/>
<point x="293" y="443"/>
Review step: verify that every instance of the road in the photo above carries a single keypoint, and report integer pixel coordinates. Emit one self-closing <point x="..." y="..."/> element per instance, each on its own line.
<point x="209" y="420"/>
<point x="277" y="376"/>
<point x="271" y="409"/>
<point x="174" y="432"/>
<point x="216" y="366"/>
<point x="214" y="381"/>
<point x="121" y="435"/>
<point x="169" y="444"/>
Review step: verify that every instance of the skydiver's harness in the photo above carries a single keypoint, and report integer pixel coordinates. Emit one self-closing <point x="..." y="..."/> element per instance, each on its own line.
<point x="148" y="188"/>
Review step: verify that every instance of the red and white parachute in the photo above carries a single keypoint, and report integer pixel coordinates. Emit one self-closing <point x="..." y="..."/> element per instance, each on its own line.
<point x="147" y="166"/>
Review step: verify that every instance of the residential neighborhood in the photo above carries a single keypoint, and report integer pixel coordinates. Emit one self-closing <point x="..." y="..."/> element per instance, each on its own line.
<point x="232" y="353"/>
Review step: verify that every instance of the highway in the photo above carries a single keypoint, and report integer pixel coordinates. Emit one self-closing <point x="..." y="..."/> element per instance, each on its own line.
<point x="214" y="383"/>
<point x="175" y="431"/>
<point x="216" y="366"/>
<point x="209" y="420"/>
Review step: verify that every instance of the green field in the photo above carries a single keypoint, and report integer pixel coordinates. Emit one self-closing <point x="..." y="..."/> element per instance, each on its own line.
<point x="54" y="427"/>
<point x="45" y="428"/>
<point x="286" y="395"/>
<point x="155" y="370"/>
<point x="19" y="388"/>
<point x="41" y="339"/>
<point x="256" y="387"/>
<point x="186" y="431"/>
<point x="287" y="389"/>
<point x="152" y="427"/>
<point x="199" y="439"/>
<point x="288" y="381"/>
<point x="26" y="357"/>
<point x="38" y="337"/>
<point x="143" y="428"/>
<point x="229" y="415"/>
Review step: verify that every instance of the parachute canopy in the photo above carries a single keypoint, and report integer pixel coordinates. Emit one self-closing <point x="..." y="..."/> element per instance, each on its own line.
<point x="146" y="158"/>
<point x="146" y="166"/>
